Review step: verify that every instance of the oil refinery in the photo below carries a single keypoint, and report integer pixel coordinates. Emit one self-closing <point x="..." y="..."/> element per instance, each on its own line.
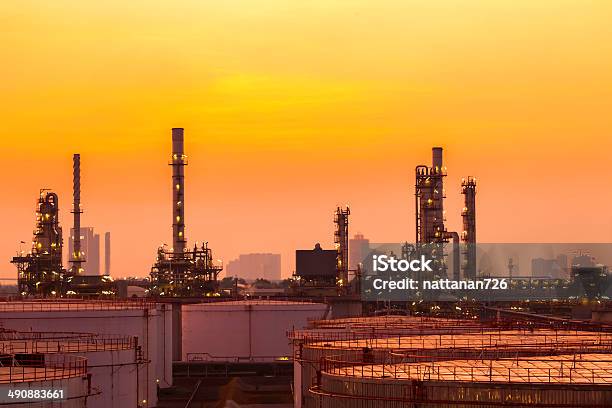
<point x="179" y="271"/>
<point x="323" y="340"/>
<point x="306" y="204"/>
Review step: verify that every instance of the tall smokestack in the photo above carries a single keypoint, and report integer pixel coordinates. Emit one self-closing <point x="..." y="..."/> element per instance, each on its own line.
<point x="76" y="210"/>
<point x="107" y="253"/>
<point x="341" y="239"/>
<point x="437" y="192"/>
<point x="179" y="161"/>
<point x="468" y="236"/>
<point x="436" y="158"/>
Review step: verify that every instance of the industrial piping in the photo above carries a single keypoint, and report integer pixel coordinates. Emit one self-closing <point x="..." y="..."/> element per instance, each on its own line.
<point x="456" y="255"/>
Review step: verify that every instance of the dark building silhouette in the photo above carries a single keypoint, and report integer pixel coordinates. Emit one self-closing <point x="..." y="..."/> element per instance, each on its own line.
<point x="316" y="264"/>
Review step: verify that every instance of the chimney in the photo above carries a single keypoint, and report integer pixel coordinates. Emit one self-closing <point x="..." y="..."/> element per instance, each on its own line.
<point x="76" y="211"/>
<point x="468" y="236"/>
<point x="107" y="253"/>
<point x="178" y="192"/>
<point x="436" y="158"/>
<point x="437" y="193"/>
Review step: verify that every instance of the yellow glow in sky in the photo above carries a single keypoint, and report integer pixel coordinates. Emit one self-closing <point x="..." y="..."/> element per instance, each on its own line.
<point x="293" y="107"/>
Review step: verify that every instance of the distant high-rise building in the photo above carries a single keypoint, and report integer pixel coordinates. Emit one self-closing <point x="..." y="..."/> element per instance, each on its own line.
<point x="107" y="253"/>
<point x="583" y="260"/>
<point x="359" y="248"/>
<point x="549" y="268"/>
<point x="90" y="248"/>
<point x="562" y="262"/>
<point x="255" y="266"/>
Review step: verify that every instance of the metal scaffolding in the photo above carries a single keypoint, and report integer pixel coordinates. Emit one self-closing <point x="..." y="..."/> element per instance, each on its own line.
<point x="341" y="241"/>
<point x="468" y="235"/>
<point x="177" y="271"/>
<point x="40" y="272"/>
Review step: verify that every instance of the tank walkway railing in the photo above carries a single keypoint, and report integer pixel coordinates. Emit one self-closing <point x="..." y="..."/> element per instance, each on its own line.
<point x="8" y="335"/>
<point x="257" y="300"/>
<point x="360" y="333"/>
<point x="75" y="305"/>
<point x="392" y="322"/>
<point x="441" y="394"/>
<point x="57" y="367"/>
<point x="209" y="358"/>
<point x="92" y="344"/>
<point x="543" y="338"/>
<point x="594" y="369"/>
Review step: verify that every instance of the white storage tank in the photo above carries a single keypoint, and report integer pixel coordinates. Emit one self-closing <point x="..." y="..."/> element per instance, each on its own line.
<point x="113" y="361"/>
<point x="151" y="323"/>
<point x="248" y="330"/>
<point x="24" y="382"/>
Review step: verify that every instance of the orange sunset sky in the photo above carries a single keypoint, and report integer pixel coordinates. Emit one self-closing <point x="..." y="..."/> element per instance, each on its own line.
<point x="293" y="107"/>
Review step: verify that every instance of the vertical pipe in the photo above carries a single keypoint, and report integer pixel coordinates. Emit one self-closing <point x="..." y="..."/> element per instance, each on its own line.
<point x="107" y="253"/>
<point x="250" y="312"/>
<point x="417" y="210"/>
<point x="468" y="236"/>
<point x="76" y="211"/>
<point x="421" y="194"/>
<point x="437" y="194"/>
<point x="178" y="192"/>
<point x="456" y="255"/>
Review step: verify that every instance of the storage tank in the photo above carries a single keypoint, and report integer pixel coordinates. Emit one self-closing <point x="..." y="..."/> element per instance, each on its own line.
<point x="249" y="330"/>
<point x="151" y="323"/>
<point x="569" y="381"/>
<point x="315" y="342"/>
<point x="404" y="339"/>
<point x="65" y="377"/>
<point x="113" y="361"/>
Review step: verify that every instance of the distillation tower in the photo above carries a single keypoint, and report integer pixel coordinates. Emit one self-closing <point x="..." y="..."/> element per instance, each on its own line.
<point x="429" y="201"/>
<point x="40" y="272"/>
<point x="468" y="235"/>
<point x="179" y="271"/>
<point x="431" y="233"/>
<point x="341" y="241"/>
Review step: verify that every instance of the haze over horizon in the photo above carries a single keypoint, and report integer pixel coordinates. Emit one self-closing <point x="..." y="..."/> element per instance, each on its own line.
<point x="291" y="109"/>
